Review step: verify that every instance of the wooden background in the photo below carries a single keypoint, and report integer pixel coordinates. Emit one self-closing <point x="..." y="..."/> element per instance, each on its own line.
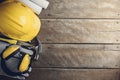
<point x="81" y="41"/>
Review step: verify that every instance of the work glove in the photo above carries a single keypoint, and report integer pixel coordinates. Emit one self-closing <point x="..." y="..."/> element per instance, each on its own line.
<point x="15" y="60"/>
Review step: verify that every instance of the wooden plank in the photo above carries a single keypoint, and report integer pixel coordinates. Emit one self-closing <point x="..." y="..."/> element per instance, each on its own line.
<point x="80" y="31"/>
<point x="79" y="56"/>
<point x="75" y="74"/>
<point x="82" y="9"/>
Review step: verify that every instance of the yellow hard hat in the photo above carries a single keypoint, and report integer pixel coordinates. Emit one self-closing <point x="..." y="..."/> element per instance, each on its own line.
<point x="17" y="21"/>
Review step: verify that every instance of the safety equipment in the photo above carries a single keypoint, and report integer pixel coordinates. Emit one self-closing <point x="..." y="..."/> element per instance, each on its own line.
<point x="17" y="21"/>
<point x="14" y="50"/>
<point x="34" y="44"/>
<point x="15" y="60"/>
<point x="19" y="45"/>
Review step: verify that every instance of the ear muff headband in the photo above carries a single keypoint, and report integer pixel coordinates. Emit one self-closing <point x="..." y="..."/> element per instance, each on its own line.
<point x="11" y="73"/>
<point x="8" y="71"/>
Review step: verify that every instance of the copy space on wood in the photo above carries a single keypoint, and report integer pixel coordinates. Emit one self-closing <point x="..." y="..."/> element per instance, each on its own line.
<point x="73" y="74"/>
<point x="82" y="9"/>
<point x="80" y="31"/>
<point x="79" y="56"/>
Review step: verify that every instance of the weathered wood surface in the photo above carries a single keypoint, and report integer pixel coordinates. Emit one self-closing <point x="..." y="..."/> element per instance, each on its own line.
<point x="82" y="9"/>
<point x="80" y="31"/>
<point x="72" y="74"/>
<point x="80" y="41"/>
<point x="79" y="21"/>
<point x="75" y="74"/>
<point x="80" y="56"/>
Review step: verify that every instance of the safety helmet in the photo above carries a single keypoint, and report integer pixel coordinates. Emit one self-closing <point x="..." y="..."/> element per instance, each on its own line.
<point x="18" y="21"/>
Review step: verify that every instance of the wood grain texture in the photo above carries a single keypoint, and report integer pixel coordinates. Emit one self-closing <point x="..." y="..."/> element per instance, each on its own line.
<point x="79" y="56"/>
<point x="73" y="74"/>
<point x="82" y="9"/>
<point x="80" y="31"/>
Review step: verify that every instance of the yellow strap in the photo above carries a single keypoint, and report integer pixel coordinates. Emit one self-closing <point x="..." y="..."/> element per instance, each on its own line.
<point x="10" y="51"/>
<point x="25" y="63"/>
<point x="9" y="41"/>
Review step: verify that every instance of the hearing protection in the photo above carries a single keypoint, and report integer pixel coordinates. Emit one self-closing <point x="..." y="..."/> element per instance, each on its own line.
<point x="16" y="59"/>
<point x="24" y="60"/>
<point x="11" y="51"/>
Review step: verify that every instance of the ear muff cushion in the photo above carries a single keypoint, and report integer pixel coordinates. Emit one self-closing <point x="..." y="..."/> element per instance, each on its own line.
<point x="10" y="50"/>
<point x="24" y="63"/>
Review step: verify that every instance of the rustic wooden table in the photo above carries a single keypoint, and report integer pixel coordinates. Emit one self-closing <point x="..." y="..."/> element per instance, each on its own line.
<point x="81" y="41"/>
